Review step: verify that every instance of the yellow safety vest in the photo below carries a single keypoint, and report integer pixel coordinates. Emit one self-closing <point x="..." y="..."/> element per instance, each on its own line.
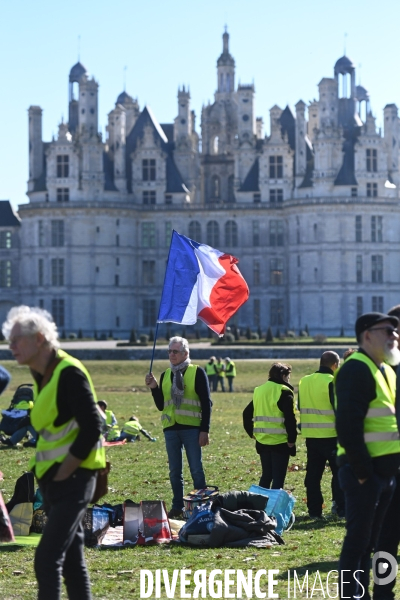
<point x="109" y="416"/>
<point x="210" y="369"/>
<point x="268" y="419"/>
<point x="113" y="433"/>
<point x="54" y="442"/>
<point x="131" y="428"/>
<point x="317" y="416"/>
<point x="189" y="412"/>
<point x="381" y="434"/>
<point x="233" y="372"/>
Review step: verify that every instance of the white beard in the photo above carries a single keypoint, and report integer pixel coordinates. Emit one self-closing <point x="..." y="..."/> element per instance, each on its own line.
<point x="392" y="356"/>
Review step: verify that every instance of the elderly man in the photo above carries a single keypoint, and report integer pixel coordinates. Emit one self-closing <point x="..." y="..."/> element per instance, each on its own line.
<point x="369" y="445"/>
<point x="316" y="403"/>
<point x="183" y="396"/>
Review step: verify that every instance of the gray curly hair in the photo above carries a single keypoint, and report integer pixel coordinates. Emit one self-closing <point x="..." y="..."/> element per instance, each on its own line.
<point x="32" y="320"/>
<point x="180" y="340"/>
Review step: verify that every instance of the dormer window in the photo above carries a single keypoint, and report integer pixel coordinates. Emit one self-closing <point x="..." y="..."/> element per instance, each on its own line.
<point x="148" y="169"/>
<point x="275" y="167"/>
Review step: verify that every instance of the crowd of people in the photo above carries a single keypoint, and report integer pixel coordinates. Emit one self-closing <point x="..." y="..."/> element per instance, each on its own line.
<point x="349" y="416"/>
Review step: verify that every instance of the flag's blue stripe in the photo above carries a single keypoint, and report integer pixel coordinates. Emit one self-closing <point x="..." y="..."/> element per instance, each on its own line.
<point x="180" y="278"/>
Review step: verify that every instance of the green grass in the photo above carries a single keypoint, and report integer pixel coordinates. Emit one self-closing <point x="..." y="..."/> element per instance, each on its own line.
<point x="140" y="472"/>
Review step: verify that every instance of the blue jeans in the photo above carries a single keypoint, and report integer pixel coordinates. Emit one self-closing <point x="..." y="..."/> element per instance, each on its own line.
<point x="230" y="381"/>
<point x="175" y="441"/>
<point x="365" y="505"/>
<point x="21" y="433"/>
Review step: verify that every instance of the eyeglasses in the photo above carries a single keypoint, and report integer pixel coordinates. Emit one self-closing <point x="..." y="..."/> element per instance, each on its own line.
<point x="389" y="330"/>
<point x="174" y="351"/>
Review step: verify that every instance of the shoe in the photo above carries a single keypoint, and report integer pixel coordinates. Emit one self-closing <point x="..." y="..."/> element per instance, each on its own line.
<point x="30" y="444"/>
<point x="8" y="442"/>
<point x="175" y="513"/>
<point x="316" y="517"/>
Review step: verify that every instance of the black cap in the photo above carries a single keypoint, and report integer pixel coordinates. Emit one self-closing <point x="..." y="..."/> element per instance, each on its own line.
<point x="370" y="319"/>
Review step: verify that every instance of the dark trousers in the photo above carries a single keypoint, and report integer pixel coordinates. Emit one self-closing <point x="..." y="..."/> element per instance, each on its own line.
<point x="221" y="381"/>
<point x="274" y="463"/>
<point x="319" y="452"/>
<point x="366" y="506"/>
<point x="212" y="382"/>
<point x="60" y="552"/>
<point x="230" y="382"/>
<point x="389" y="541"/>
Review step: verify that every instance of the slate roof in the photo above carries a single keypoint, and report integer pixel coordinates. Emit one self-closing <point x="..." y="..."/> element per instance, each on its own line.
<point x="288" y="125"/>
<point x="108" y="168"/>
<point x="250" y="184"/>
<point x="164" y="136"/>
<point x="308" y="177"/>
<point x="8" y="218"/>
<point x="39" y="184"/>
<point x="123" y="97"/>
<point x="344" y="65"/>
<point x="76" y="72"/>
<point x="346" y="174"/>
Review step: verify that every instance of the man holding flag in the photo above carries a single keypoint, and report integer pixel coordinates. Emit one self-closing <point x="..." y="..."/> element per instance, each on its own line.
<point x="183" y="396"/>
<point x="205" y="283"/>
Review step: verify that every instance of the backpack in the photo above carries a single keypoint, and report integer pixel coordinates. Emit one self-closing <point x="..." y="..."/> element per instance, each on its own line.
<point x="23" y="394"/>
<point x="17" y="415"/>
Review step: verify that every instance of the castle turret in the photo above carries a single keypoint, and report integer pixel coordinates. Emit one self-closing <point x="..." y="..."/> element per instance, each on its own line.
<point x="76" y="75"/>
<point x="88" y="109"/>
<point x="246" y="118"/>
<point x="391" y="136"/>
<point x="182" y="123"/>
<point x="225" y="68"/>
<point x="35" y="146"/>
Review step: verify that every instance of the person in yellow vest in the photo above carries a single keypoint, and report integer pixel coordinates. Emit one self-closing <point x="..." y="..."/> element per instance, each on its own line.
<point x="183" y="396"/>
<point x="316" y="405"/>
<point x="230" y="372"/>
<point x="270" y="419"/>
<point x="212" y="373"/>
<point x="220" y="369"/>
<point x="369" y="444"/>
<point x="69" y="450"/>
<point x="108" y="418"/>
<point x="131" y="431"/>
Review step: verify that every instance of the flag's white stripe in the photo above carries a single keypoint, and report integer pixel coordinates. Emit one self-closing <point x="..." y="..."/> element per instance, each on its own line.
<point x="210" y="271"/>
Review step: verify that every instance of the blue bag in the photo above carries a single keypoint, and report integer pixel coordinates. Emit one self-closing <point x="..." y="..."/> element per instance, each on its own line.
<point x="280" y="505"/>
<point x="200" y="523"/>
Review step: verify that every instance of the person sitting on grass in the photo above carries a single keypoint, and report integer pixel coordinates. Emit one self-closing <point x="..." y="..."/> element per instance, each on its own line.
<point x="108" y="418"/>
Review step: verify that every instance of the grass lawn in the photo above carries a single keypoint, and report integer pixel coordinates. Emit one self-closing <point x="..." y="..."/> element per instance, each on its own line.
<point x="140" y="472"/>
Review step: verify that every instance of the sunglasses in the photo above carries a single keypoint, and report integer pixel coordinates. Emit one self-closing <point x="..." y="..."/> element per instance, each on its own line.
<point x="389" y="330"/>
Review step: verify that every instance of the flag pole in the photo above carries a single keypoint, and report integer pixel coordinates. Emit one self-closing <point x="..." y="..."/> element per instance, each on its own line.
<point x="155" y="335"/>
<point x="154" y="348"/>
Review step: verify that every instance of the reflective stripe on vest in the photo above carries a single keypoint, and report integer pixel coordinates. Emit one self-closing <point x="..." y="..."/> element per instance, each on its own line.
<point x="54" y="442"/>
<point x="266" y="410"/>
<point x="317" y="416"/>
<point x="381" y="434"/>
<point x="184" y="415"/>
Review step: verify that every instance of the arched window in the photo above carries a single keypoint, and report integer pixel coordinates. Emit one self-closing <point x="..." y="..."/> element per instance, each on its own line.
<point x="195" y="231"/>
<point x="215" y="187"/>
<point x="215" y="145"/>
<point x="212" y="233"/>
<point x="231" y="189"/>
<point x="228" y="82"/>
<point x="221" y="82"/>
<point x="231" y="234"/>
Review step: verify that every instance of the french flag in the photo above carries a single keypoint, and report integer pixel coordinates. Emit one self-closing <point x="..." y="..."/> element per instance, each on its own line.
<point x="200" y="283"/>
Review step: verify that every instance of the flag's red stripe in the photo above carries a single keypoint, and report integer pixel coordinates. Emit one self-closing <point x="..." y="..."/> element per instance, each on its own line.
<point x="227" y="295"/>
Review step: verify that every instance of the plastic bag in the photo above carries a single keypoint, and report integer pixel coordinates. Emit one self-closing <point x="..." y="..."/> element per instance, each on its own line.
<point x="95" y="524"/>
<point x="280" y="505"/>
<point x="196" y="530"/>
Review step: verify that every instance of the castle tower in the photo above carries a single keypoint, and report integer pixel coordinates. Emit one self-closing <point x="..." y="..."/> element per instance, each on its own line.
<point x="76" y="74"/>
<point x="225" y="68"/>
<point x="391" y="137"/>
<point x="301" y="157"/>
<point x="35" y="146"/>
<point x="88" y="106"/>
<point x="182" y="123"/>
<point x="246" y="118"/>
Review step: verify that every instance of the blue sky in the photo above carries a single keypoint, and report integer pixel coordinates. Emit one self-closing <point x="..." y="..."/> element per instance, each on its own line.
<point x="285" y="48"/>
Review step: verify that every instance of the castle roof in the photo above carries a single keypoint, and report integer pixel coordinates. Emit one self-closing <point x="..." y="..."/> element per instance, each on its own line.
<point x="344" y="65"/>
<point x="76" y="72"/>
<point x="8" y="218"/>
<point x="250" y="184"/>
<point x="124" y="97"/>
